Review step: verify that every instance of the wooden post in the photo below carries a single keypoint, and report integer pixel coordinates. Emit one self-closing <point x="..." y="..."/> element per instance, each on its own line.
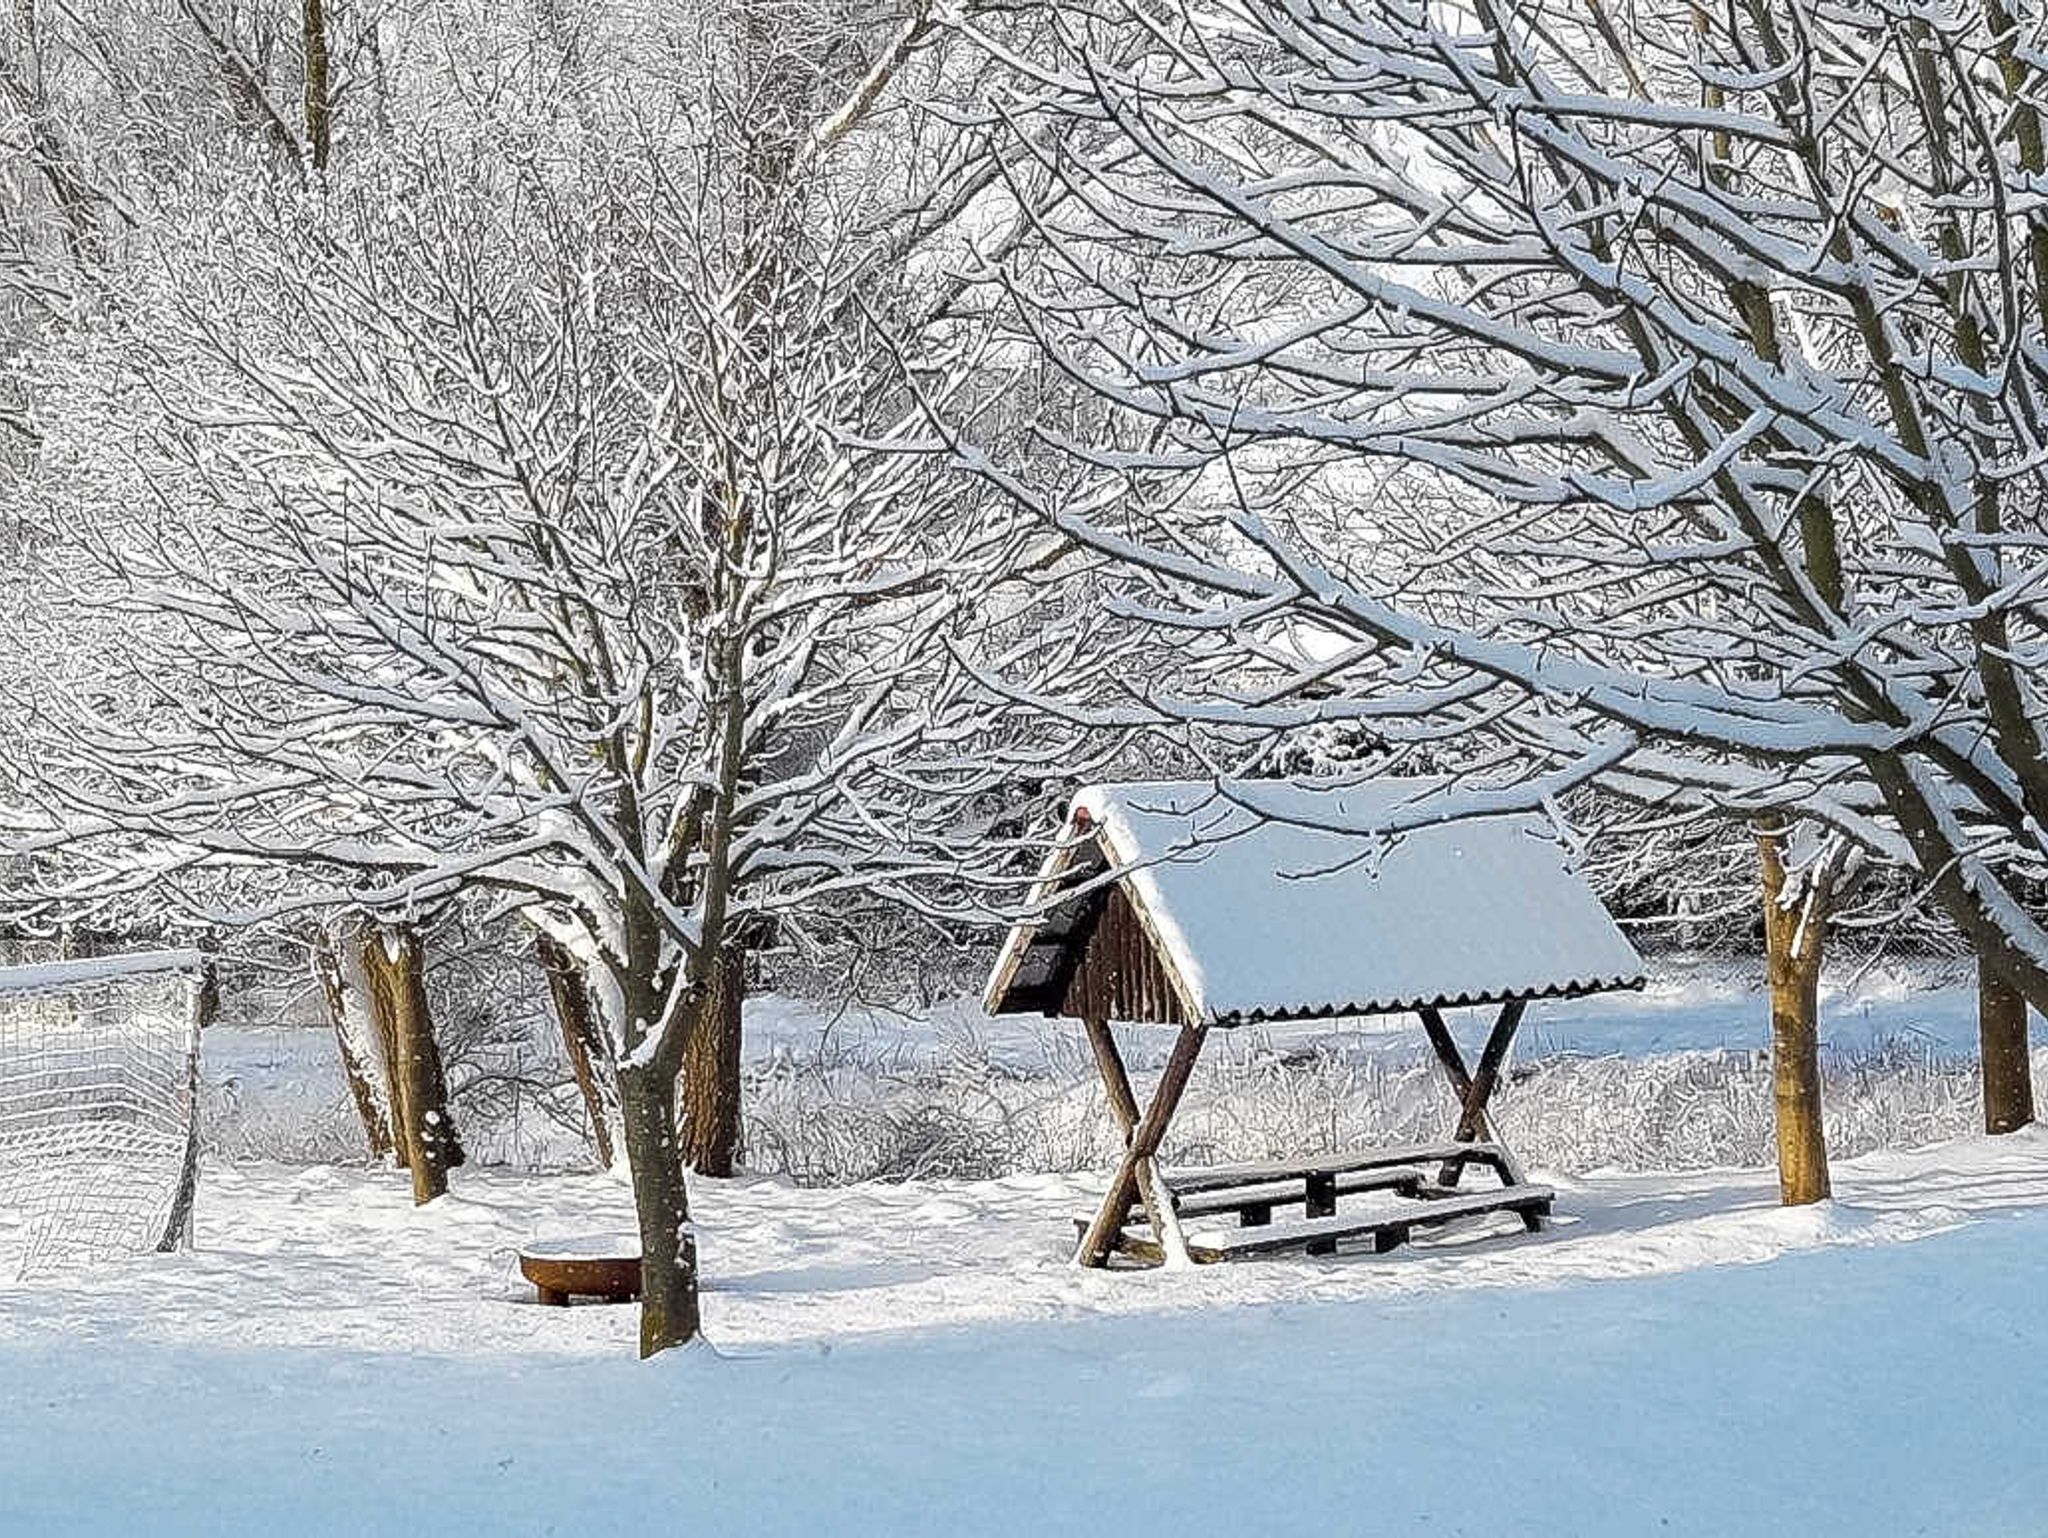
<point x="1123" y="1110"/>
<point x="1124" y="1186"/>
<point x="1123" y="1104"/>
<point x="1320" y="1201"/>
<point x="2007" y="1066"/>
<point x="1472" y="1123"/>
<point x="1447" y="1052"/>
<point x="1474" y="1090"/>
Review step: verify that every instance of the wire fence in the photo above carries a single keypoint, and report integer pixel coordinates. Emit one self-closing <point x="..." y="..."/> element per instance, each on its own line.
<point x="97" y="1101"/>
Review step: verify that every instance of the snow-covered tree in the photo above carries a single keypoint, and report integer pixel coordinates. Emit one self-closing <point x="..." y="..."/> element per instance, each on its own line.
<point x="548" y="513"/>
<point x="1578" y="394"/>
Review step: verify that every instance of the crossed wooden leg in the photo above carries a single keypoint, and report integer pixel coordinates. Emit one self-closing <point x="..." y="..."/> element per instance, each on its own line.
<point x="1474" y="1088"/>
<point x="1137" y="1177"/>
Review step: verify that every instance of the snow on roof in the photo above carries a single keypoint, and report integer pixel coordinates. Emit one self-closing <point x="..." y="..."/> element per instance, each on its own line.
<point x="1284" y="898"/>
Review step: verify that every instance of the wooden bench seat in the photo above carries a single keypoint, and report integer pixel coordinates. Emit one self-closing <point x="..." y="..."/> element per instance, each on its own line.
<point x="1255" y="1199"/>
<point x="1188" y="1182"/>
<point x="1386" y="1229"/>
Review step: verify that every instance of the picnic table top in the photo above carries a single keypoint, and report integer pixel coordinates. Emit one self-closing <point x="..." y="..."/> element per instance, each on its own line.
<point x="1191" y="1179"/>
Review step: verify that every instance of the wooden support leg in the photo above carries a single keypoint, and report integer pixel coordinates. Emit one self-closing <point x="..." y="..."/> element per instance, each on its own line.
<point x="1321" y="1203"/>
<point x="1135" y="1175"/>
<point x="1447" y="1052"/>
<point x="1125" y="1113"/>
<point x="1123" y="1105"/>
<point x="1159" y="1208"/>
<point x="1474" y="1089"/>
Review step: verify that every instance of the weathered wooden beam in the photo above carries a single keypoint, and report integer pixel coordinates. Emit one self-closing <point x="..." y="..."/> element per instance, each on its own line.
<point x="1320" y="1201"/>
<point x="1447" y="1052"/>
<point x="1472" y="1122"/>
<point x="1472" y="1117"/>
<point x="1144" y="1143"/>
<point x="1123" y="1104"/>
<point x="1123" y="1109"/>
<point x="1160" y="1209"/>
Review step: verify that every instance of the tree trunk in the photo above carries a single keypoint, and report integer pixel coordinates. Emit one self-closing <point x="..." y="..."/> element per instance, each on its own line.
<point x="337" y="963"/>
<point x="395" y="961"/>
<point x="668" y="1249"/>
<point x="711" y="1072"/>
<point x="2002" y="1040"/>
<point x="580" y="1038"/>
<point x="1793" y="937"/>
<point x="319" y="88"/>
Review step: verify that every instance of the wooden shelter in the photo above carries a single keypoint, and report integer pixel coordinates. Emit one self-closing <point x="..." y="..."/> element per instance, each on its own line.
<point x="1206" y="905"/>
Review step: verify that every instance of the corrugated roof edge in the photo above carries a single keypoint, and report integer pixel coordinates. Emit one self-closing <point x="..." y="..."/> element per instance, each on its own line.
<point x="1576" y="989"/>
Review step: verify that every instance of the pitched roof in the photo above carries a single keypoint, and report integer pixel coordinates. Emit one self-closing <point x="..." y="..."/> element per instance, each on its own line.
<point x="1277" y="899"/>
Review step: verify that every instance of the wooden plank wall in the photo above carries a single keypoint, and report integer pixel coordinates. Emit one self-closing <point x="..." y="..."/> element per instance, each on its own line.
<point x="1121" y="976"/>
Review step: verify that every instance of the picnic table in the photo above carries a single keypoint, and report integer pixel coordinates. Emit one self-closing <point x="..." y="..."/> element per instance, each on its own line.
<point x="1413" y="1177"/>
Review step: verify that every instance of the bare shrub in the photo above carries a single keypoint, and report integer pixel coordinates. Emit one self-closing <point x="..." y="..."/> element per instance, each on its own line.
<point x="851" y="1107"/>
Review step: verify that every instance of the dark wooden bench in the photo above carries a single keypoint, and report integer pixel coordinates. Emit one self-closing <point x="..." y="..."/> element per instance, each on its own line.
<point x="1252" y="1191"/>
<point x="1386" y="1230"/>
<point x="1321" y="1236"/>
<point x="1255" y="1203"/>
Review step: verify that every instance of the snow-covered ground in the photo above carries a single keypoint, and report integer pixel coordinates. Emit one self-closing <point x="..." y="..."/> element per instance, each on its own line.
<point x="1676" y="1355"/>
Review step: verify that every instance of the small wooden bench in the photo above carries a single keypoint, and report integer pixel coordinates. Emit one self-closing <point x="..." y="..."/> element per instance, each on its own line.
<point x="1252" y="1191"/>
<point x="607" y="1269"/>
<point x="1255" y="1203"/>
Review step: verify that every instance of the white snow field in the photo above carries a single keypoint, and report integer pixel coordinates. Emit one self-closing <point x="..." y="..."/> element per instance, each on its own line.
<point x="1677" y="1355"/>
